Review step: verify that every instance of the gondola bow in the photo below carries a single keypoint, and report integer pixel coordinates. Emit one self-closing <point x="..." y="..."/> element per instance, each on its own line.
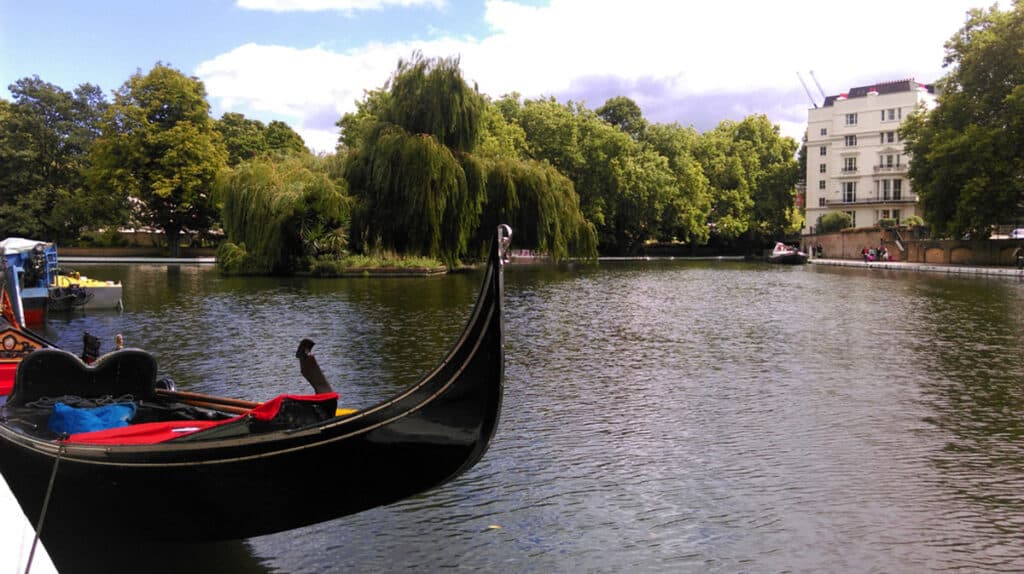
<point x="239" y="479"/>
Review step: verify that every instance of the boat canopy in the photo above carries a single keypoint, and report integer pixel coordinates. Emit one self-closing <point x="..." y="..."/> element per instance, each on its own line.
<point x="18" y="245"/>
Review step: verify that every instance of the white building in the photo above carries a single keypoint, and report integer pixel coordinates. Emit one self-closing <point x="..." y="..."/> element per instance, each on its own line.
<point x="855" y="160"/>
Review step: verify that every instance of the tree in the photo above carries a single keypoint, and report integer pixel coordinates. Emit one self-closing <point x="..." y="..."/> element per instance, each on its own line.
<point x="247" y="139"/>
<point x="244" y="139"/>
<point x="968" y="153"/>
<point x="159" y="145"/>
<point x="418" y="189"/>
<point x="686" y="215"/>
<point x="726" y="168"/>
<point x="45" y="137"/>
<point x="280" y="213"/>
<point x="541" y="205"/>
<point x="777" y="170"/>
<point x="501" y="137"/>
<point x="624" y="114"/>
<point x="356" y="126"/>
<point x="753" y="173"/>
<point x="833" y="221"/>
<point x="283" y="140"/>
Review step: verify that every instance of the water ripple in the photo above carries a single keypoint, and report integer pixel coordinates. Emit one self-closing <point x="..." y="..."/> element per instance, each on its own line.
<point x="659" y="416"/>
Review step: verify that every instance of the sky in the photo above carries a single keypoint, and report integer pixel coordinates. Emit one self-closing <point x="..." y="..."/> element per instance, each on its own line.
<point x="307" y="62"/>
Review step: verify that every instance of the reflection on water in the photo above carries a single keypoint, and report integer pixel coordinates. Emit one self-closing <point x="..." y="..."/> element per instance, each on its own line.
<point x="660" y="416"/>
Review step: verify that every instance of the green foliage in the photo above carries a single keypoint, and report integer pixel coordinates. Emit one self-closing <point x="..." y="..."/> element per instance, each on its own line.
<point x="500" y="137"/>
<point x="406" y="185"/>
<point x="384" y="263"/>
<point x="429" y="96"/>
<point x="552" y="134"/>
<point x="913" y="221"/>
<point x="685" y="217"/>
<point x="108" y="237"/>
<point x="356" y="127"/>
<point x="887" y="222"/>
<point x="283" y="140"/>
<point x="753" y="172"/>
<point x="45" y="136"/>
<point x="243" y="138"/>
<point x="280" y="213"/>
<point x="233" y="259"/>
<point x="418" y="189"/>
<point x="542" y="207"/>
<point x="967" y="165"/>
<point x="624" y="114"/>
<point x="834" y="221"/>
<point x="159" y="145"/>
<point x="247" y="139"/>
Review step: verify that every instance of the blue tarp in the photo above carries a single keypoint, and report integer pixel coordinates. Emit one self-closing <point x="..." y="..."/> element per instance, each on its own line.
<point x="71" y="420"/>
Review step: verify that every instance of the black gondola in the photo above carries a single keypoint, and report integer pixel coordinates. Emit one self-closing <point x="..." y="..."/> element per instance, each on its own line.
<point x="249" y="476"/>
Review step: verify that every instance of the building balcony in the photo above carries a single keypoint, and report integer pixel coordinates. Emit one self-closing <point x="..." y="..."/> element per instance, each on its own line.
<point x="903" y="200"/>
<point x="881" y="169"/>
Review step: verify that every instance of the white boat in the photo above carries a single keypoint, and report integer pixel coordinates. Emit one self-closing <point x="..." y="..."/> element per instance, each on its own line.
<point x="787" y="255"/>
<point x="18" y="538"/>
<point x="103" y="294"/>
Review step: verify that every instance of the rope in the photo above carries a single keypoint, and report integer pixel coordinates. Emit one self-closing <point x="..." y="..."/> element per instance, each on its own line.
<point x="80" y="402"/>
<point x="46" y="504"/>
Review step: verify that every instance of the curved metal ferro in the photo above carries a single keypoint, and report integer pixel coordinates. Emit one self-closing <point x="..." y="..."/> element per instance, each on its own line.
<point x="504" y="241"/>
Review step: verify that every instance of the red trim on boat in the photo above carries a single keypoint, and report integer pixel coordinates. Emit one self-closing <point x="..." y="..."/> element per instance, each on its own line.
<point x="152" y="433"/>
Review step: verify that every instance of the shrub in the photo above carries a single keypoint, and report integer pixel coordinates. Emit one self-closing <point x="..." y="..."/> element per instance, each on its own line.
<point x="834" y="221"/>
<point x="913" y="221"/>
<point x="232" y="258"/>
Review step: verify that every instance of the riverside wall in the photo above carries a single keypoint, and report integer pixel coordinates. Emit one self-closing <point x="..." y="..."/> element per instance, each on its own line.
<point x="847" y="244"/>
<point x="130" y="252"/>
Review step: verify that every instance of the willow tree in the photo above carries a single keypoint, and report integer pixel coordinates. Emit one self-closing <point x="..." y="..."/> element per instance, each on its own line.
<point x="418" y="189"/>
<point x="279" y="213"/>
<point x="542" y="206"/>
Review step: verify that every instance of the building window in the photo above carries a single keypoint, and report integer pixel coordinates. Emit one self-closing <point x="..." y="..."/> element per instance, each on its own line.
<point x="821" y="201"/>
<point x="897" y="189"/>
<point x="888" y="161"/>
<point x="851" y="119"/>
<point x="824" y="131"/>
<point x="851" y="141"/>
<point x="822" y="150"/>
<point x="887" y="137"/>
<point x="853" y="217"/>
<point x="886" y="189"/>
<point x="850" y="164"/>
<point x="849" y="191"/>
<point x="821" y="168"/>
<point x="821" y="184"/>
<point x="892" y="114"/>
<point x="896" y="215"/>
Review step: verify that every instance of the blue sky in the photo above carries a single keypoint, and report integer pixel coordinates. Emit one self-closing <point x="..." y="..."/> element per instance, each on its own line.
<point x="306" y="62"/>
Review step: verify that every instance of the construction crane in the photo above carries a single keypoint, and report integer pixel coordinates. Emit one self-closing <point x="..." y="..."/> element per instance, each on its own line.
<point x="809" y="96"/>
<point x="815" y="78"/>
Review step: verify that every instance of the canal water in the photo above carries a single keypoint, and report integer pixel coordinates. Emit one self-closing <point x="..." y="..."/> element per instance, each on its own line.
<point x="659" y="416"/>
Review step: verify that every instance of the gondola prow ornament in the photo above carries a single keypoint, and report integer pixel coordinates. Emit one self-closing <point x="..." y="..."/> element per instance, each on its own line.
<point x="310" y="369"/>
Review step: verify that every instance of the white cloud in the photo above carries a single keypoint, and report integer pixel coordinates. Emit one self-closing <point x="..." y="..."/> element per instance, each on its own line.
<point x="347" y="6"/>
<point x="677" y="57"/>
